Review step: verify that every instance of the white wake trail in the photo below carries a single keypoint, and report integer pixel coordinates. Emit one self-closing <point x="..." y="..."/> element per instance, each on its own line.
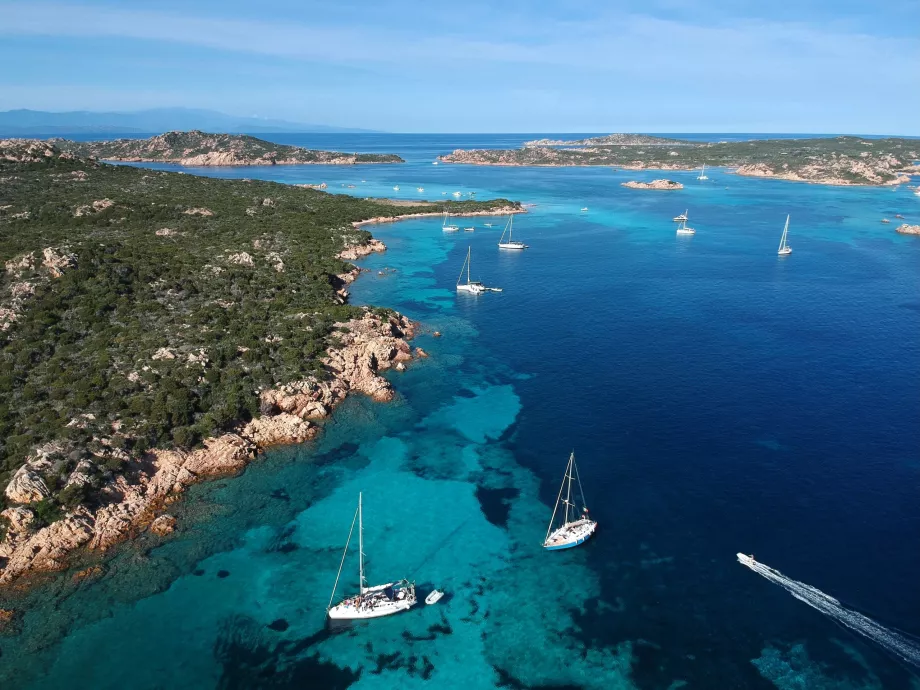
<point x="890" y="640"/>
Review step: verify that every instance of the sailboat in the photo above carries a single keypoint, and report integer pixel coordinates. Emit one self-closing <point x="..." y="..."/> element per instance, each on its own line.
<point x="571" y="532"/>
<point x="511" y="243"/>
<point x="474" y="287"/>
<point x="784" y="248"/>
<point x="396" y="188"/>
<point x="702" y="175"/>
<point x="447" y="226"/>
<point x="681" y="217"/>
<point x="370" y="602"/>
<point x="682" y="228"/>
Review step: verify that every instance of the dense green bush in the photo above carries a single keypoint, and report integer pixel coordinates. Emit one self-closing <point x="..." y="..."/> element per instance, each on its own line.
<point x="84" y="342"/>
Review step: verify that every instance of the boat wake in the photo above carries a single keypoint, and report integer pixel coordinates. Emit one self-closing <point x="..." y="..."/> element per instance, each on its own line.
<point x="894" y="642"/>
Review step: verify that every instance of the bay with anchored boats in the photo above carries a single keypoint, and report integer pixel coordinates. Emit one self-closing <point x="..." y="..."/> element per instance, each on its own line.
<point x="717" y="396"/>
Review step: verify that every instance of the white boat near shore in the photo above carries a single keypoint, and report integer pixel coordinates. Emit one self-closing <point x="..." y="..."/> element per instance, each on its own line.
<point x="681" y="217"/>
<point x="447" y="226"/>
<point x="510" y="243"/>
<point x="370" y="602"/>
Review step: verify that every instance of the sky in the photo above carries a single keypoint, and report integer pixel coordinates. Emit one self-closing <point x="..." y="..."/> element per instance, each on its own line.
<point x="821" y="66"/>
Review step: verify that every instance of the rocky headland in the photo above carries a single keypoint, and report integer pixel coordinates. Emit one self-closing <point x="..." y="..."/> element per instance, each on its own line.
<point x="835" y="161"/>
<point x="197" y="321"/>
<point x="369" y="345"/>
<point x="654" y="184"/>
<point x="200" y="149"/>
<point x="906" y="229"/>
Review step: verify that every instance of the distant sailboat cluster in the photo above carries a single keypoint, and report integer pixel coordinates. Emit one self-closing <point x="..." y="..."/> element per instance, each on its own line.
<point x="684" y="229"/>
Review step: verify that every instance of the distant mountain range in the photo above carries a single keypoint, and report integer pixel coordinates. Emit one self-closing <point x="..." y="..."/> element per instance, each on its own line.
<point x="37" y="122"/>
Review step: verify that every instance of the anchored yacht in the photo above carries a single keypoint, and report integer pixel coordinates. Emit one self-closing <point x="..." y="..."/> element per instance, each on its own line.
<point x="369" y="602"/>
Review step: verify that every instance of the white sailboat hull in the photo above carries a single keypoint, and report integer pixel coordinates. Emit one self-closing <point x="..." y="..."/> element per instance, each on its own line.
<point x="512" y="245"/>
<point x="450" y="228"/>
<point x="570" y="535"/>
<point x="471" y="289"/>
<point x="785" y="251"/>
<point x="686" y="231"/>
<point x="368" y="606"/>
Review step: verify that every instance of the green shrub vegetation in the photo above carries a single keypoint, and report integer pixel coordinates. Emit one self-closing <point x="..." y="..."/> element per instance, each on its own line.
<point x="174" y="146"/>
<point x="80" y="357"/>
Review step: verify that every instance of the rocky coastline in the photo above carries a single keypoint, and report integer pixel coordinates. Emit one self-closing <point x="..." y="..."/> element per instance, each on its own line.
<point x="905" y="229"/>
<point x="654" y="184"/>
<point x="502" y="211"/>
<point x="201" y="149"/>
<point x="839" y="161"/>
<point x="136" y="500"/>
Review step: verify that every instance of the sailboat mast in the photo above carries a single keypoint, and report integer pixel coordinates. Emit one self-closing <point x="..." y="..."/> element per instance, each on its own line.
<point x="460" y="277"/>
<point x="360" y="545"/>
<point x="568" y="493"/>
<point x="782" y="241"/>
<point x="469" y="260"/>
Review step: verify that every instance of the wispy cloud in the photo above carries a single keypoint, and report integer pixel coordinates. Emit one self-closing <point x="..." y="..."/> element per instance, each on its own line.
<point x="578" y="63"/>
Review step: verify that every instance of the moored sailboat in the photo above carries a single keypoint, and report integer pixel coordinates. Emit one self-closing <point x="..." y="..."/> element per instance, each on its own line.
<point x="510" y="243"/>
<point x="370" y="602"/>
<point x="447" y="226"/>
<point x="474" y="287"/>
<point x="572" y="532"/>
<point x="681" y="217"/>
<point x="784" y="248"/>
<point x="682" y="228"/>
<point x="702" y="175"/>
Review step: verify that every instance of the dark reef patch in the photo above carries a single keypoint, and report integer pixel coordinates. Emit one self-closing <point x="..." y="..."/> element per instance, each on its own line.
<point x="496" y="504"/>
<point x="342" y="452"/>
<point x="280" y="494"/>
<point x="198" y="571"/>
<point x="223" y="573"/>
<point x="249" y="661"/>
<point x="279" y="625"/>
<point x="506" y="680"/>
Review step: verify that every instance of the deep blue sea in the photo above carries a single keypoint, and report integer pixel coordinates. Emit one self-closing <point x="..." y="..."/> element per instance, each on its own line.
<point x="718" y="398"/>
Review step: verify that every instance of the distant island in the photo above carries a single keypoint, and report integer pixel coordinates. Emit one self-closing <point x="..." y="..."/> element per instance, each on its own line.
<point x="837" y="161"/>
<point x="158" y="329"/>
<point x="654" y="184"/>
<point x="197" y="148"/>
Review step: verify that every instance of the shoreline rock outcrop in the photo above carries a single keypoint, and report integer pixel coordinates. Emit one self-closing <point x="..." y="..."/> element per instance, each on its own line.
<point x="503" y="211"/>
<point x="906" y="229"/>
<point x="367" y="346"/>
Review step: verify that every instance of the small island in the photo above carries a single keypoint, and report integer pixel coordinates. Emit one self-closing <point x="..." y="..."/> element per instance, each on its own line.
<point x="158" y="329"/>
<point x="654" y="184"/>
<point x="906" y="229"/>
<point x="197" y="148"/>
<point x="831" y="160"/>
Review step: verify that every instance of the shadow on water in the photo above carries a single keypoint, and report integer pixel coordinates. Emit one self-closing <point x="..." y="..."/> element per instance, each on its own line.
<point x="249" y="660"/>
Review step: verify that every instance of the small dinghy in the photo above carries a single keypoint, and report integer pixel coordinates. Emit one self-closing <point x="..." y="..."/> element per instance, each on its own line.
<point x="434" y="597"/>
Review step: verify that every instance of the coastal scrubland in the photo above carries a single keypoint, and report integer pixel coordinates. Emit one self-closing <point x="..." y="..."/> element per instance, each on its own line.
<point x="142" y="309"/>
<point x="833" y="160"/>
<point x="197" y="148"/>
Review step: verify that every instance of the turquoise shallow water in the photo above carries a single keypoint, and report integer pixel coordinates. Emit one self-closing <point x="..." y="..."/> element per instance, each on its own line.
<point x="718" y="398"/>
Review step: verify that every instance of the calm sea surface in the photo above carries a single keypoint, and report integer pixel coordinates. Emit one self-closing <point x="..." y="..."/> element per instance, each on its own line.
<point x="718" y="398"/>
